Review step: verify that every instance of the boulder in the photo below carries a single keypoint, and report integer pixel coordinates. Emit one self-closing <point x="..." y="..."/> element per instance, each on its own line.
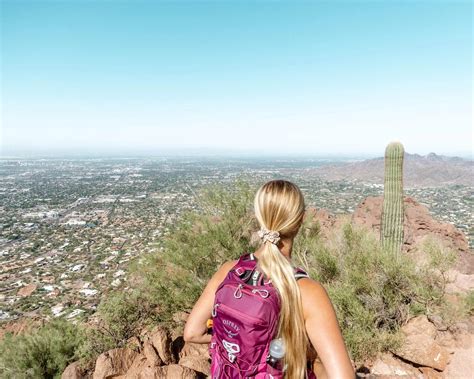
<point x="139" y="368"/>
<point x="114" y="362"/>
<point x="194" y="350"/>
<point x="461" y="364"/>
<point x="74" y="371"/>
<point x="420" y="346"/>
<point x="142" y="369"/>
<point x="151" y="354"/>
<point x="419" y="325"/>
<point x="175" y="371"/>
<point x="200" y="364"/>
<point x="387" y="365"/>
<point x="429" y="373"/>
<point x="161" y="341"/>
<point x="459" y="282"/>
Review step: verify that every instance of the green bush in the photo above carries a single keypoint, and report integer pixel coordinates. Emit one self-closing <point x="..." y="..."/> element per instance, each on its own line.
<point x="469" y="302"/>
<point x="373" y="293"/>
<point x="42" y="353"/>
<point x="121" y="316"/>
<point x="196" y="247"/>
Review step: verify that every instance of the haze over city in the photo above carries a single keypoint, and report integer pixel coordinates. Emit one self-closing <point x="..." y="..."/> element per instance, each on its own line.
<point x="311" y="78"/>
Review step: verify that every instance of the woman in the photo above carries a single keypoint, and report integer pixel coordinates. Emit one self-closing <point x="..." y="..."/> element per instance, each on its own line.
<point x="306" y="314"/>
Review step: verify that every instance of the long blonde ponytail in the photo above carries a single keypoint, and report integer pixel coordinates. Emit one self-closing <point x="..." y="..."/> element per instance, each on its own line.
<point x="279" y="206"/>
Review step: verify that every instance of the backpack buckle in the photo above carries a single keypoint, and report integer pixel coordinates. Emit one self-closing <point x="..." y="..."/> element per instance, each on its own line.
<point x="239" y="271"/>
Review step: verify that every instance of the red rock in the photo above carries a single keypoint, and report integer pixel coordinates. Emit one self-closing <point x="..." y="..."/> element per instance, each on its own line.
<point x="194" y="349"/>
<point x="176" y="372"/>
<point x="461" y="364"/>
<point x="134" y="343"/>
<point x="417" y="225"/>
<point x="74" y="371"/>
<point x="459" y="282"/>
<point x="141" y="369"/>
<point x="151" y="354"/>
<point x="320" y="218"/>
<point x="23" y="325"/>
<point x="419" y="325"/>
<point x="387" y="365"/>
<point x="27" y="290"/>
<point x="114" y="362"/>
<point x="429" y="373"/>
<point x="199" y="364"/>
<point x="420" y="346"/>
<point x="161" y="341"/>
<point x="180" y="316"/>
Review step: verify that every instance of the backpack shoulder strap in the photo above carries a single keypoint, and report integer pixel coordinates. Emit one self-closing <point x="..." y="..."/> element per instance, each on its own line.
<point x="244" y="265"/>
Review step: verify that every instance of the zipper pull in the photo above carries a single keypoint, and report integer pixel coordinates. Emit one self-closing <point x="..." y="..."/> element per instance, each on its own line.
<point x="238" y="291"/>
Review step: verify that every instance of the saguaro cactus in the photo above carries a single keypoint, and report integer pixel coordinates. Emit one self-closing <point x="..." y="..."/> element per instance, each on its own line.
<point x="391" y="228"/>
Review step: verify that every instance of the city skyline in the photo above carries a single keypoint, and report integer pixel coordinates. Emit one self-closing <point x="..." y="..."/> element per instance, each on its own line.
<point x="280" y="78"/>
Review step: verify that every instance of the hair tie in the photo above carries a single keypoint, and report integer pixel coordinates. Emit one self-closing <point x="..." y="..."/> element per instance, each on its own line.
<point x="269" y="235"/>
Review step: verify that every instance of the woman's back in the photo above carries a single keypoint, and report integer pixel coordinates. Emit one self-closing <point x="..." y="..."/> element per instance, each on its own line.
<point x="305" y="315"/>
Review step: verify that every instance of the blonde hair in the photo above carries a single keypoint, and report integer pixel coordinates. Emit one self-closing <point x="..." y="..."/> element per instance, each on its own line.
<point x="279" y="206"/>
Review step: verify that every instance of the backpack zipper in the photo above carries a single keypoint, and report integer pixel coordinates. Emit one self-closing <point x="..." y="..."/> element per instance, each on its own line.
<point x="232" y="311"/>
<point x="243" y="289"/>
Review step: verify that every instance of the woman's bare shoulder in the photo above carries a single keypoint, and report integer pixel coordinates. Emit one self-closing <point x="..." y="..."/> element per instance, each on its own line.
<point x="314" y="297"/>
<point x="310" y="285"/>
<point x="224" y="269"/>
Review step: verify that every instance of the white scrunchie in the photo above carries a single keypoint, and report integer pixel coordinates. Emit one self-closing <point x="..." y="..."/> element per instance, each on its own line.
<point x="269" y="235"/>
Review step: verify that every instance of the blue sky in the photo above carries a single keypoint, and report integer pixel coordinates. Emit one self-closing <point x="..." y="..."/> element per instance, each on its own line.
<point x="272" y="77"/>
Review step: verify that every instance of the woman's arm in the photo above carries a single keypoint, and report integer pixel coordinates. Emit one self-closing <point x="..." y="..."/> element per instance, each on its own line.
<point x="323" y="330"/>
<point x="195" y="329"/>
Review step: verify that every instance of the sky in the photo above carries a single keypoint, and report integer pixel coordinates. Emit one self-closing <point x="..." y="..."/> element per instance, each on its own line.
<point x="269" y="77"/>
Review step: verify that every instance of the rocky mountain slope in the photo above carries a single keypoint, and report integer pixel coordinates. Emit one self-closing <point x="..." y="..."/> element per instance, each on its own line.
<point x="431" y="349"/>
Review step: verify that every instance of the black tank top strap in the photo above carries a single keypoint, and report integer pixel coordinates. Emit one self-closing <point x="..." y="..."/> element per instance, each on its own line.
<point x="300" y="273"/>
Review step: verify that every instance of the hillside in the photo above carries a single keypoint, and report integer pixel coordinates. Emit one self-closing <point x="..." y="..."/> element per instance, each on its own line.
<point x="386" y="307"/>
<point x="431" y="170"/>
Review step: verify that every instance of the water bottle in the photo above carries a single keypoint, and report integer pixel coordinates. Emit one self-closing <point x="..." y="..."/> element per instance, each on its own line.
<point x="276" y="353"/>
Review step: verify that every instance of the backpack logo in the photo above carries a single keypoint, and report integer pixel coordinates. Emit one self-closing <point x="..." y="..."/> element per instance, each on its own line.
<point x="232" y="349"/>
<point x="232" y="325"/>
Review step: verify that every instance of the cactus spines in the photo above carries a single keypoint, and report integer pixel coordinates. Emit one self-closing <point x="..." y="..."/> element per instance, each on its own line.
<point x="391" y="227"/>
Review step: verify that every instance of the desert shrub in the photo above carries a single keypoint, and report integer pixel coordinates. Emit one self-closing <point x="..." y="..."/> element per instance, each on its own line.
<point x="41" y="353"/>
<point x="469" y="302"/>
<point x="373" y="292"/>
<point x="196" y="247"/>
<point x="172" y="279"/>
<point x="121" y="316"/>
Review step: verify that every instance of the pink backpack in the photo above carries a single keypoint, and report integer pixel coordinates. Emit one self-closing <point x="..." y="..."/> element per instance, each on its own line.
<point x="245" y="320"/>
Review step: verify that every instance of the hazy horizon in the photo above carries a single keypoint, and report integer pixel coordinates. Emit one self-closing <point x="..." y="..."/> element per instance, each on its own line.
<point x="203" y="153"/>
<point x="270" y="78"/>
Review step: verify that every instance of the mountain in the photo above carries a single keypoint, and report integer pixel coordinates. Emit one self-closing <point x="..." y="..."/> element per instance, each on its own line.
<point x="431" y="170"/>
